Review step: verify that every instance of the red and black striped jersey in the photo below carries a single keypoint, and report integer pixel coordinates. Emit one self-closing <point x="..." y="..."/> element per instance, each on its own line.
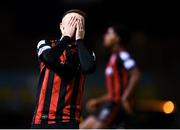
<point x="117" y="73"/>
<point x="59" y="98"/>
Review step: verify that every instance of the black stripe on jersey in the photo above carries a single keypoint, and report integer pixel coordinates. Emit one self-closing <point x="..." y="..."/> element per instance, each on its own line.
<point x="74" y="97"/>
<point x="120" y="67"/>
<point x="41" y="79"/>
<point x="48" y="95"/>
<point x="121" y="82"/>
<point x="62" y="95"/>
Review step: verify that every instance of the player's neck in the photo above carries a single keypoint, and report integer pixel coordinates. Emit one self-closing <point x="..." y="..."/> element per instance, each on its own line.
<point x="115" y="48"/>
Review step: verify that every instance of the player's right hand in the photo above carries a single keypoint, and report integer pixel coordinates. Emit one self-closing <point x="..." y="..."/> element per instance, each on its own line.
<point x="69" y="29"/>
<point x="80" y="32"/>
<point x="91" y="105"/>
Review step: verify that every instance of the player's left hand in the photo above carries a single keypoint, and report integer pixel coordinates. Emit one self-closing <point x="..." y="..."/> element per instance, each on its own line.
<point x="80" y="32"/>
<point x="127" y="106"/>
<point x="91" y="105"/>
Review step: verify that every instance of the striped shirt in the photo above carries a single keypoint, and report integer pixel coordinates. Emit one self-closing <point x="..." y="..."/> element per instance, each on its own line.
<point x="59" y="98"/>
<point x="117" y="74"/>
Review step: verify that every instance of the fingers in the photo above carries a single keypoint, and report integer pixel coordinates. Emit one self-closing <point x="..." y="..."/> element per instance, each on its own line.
<point x="72" y="21"/>
<point x="80" y="24"/>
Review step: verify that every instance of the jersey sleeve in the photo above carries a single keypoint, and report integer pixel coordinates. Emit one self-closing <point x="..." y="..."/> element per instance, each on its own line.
<point x="50" y="56"/>
<point x="87" y="57"/>
<point x="42" y="46"/>
<point x="127" y="61"/>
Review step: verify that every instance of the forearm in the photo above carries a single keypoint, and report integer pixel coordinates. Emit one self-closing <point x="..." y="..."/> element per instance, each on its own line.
<point x="102" y="99"/>
<point x="87" y="59"/>
<point x="53" y="54"/>
<point x="133" y="82"/>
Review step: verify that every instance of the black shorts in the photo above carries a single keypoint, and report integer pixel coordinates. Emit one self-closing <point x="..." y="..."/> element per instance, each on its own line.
<point x="59" y="125"/>
<point x="110" y="113"/>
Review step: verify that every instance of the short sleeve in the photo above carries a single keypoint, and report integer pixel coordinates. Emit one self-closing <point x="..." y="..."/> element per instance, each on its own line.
<point x="128" y="61"/>
<point x="42" y="46"/>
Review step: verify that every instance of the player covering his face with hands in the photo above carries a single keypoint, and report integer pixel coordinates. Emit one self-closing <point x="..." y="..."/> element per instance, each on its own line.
<point x="63" y="65"/>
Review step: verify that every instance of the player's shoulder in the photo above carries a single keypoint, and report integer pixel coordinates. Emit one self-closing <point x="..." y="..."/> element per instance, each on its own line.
<point x="126" y="58"/>
<point x="46" y="42"/>
<point x="123" y="54"/>
<point x="40" y="43"/>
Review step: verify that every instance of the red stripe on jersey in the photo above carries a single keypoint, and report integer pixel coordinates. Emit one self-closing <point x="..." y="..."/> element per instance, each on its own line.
<point x="63" y="57"/>
<point x="66" y="109"/>
<point x="79" y="97"/>
<point x="51" y="122"/>
<point x="77" y="113"/>
<point x="42" y="98"/>
<point x="41" y="66"/>
<point x="66" y="112"/>
<point x="54" y="99"/>
<point x="109" y="86"/>
<point x="65" y="120"/>
<point x="116" y="84"/>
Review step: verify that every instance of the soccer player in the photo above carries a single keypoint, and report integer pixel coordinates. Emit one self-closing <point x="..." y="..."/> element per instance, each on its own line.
<point x="63" y="66"/>
<point x="122" y="76"/>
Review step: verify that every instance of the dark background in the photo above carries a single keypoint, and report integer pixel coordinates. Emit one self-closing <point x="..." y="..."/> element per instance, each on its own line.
<point x="154" y="44"/>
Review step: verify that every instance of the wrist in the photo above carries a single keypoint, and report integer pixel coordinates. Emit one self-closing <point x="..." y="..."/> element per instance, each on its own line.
<point x="66" y="39"/>
<point x="124" y="99"/>
<point x="125" y="96"/>
<point x="95" y="101"/>
<point x="66" y="36"/>
<point x="79" y="38"/>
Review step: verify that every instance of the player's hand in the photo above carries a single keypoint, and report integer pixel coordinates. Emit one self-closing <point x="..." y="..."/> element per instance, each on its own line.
<point x="127" y="107"/>
<point x="80" y="32"/>
<point x="70" y="28"/>
<point x="91" y="105"/>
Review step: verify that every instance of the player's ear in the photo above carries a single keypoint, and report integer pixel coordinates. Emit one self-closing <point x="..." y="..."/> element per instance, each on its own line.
<point x="61" y="27"/>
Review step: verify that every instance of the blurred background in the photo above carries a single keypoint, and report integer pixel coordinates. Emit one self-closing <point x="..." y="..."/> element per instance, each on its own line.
<point x="155" y="45"/>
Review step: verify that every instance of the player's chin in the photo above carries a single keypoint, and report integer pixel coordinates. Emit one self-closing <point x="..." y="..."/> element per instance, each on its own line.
<point x="107" y="45"/>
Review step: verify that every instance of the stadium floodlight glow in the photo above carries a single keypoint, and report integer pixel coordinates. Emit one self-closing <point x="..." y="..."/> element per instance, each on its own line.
<point x="168" y="107"/>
